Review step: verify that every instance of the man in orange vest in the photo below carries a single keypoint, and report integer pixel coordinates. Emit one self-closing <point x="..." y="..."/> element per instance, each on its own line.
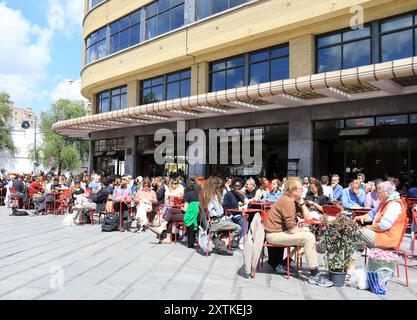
<point x="388" y="219"/>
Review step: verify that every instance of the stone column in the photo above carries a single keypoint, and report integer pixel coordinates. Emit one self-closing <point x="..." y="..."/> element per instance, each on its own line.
<point x="132" y="94"/>
<point x="189" y="14"/>
<point x="300" y="144"/>
<point x="302" y="56"/>
<point x="91" y="157"/>
<point x="130" y="153"/>
<point x="199" y="78"/>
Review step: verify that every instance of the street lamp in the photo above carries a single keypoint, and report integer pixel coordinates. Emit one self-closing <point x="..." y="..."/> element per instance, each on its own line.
<point x="26" y="125"/>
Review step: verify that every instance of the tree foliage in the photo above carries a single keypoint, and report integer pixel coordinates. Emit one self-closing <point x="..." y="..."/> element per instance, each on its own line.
<point x="6" y="140"/>
<point x="58" y="151"/>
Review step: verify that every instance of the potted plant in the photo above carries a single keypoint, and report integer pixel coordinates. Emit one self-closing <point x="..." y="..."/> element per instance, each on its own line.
<point x="338" y="241"/>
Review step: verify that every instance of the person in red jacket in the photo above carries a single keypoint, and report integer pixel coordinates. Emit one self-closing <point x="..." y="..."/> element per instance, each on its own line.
<point x="35" y="188"/>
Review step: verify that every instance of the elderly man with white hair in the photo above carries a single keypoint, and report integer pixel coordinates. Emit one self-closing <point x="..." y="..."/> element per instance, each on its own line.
<point x="387" y="220"/>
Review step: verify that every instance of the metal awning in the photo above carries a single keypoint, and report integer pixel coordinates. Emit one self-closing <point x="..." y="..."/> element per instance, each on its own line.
<point x="397" y="77"/>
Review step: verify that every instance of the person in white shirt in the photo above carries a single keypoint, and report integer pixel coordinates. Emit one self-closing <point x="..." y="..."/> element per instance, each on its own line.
<point x="327" y="190"/>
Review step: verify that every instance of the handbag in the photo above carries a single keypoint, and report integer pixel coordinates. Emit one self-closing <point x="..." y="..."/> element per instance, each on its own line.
<point x="377" y="280"/>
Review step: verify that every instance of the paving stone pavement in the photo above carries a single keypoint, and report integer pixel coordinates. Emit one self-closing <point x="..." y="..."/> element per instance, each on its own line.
<point x="36" y="251"/>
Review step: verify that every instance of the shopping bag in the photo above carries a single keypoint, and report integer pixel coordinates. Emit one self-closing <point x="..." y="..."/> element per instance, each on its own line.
<point x="377" y="280"/>
<point x="203" y="240"/>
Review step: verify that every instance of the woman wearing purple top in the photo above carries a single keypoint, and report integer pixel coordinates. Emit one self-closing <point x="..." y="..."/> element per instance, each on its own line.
<point x="371" y="198"/>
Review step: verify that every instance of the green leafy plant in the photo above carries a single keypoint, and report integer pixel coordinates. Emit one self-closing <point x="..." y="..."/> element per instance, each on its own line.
<point x="338" y="239"/>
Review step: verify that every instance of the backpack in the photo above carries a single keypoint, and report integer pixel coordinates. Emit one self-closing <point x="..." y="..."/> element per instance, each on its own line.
<point x="111" y="222"/>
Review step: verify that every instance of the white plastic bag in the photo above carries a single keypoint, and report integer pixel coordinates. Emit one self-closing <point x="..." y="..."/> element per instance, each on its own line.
<point x="358" y="279"/>
<point x="68" y="220"/>
<point x="203" y="240"/>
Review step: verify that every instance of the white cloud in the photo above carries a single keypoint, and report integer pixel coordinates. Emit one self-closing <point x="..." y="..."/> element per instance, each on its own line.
<point x="68" y="89"/>
<point x="24" y="56"/>
<point x="66" y="16"/>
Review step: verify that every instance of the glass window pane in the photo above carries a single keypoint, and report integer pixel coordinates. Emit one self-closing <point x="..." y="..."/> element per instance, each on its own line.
<point x="173" y="90"/>
<point x="114" y="27"/>
<point x="135" y="17"/>
<point x="325" y="41"/>
<point x="284" y="51"/>
<point x="124" y="39"/>
<point x="104" y="105"/>
<point x="115" y="103"/>
<point x="115" y="91"/>
<point x="357" y="54"/>
<point x="360" y="122"/>
<point x="123" y="103"/>
<point x="356" y="34"/>
<point x="259" y="56"/>
<point x="94" y="37"/>
<point x="174" y="77"/>
<point x="329" y="124"/>
<point x="234" y="3"/>
<point x="218" y="6"/>
<point x="218" y="81"/>
<point x="123" y="89"/>
<point x="280" y="69"/>
<point x="390" y="120"/>
<point x="235" y="62"/>
<point x="235" y="78"/>
<point x="87" y="56"/>
<point x="397" y="45"/>
<point x="176" y="2"/>
<point x="88" y="42"/>
<point x="397" y="23"/>
<point x="152" y="9"/>
<point x="203" y="8"/>
<point x="147" y="96"/>
<point x="185" y="88"/>
<point x="163" y="5"/>
<point x="163" y="23"/>
<point x="101" y="34"/>
<point x="259" y="73"/>
<point x="157" y="81"/>
<point x="157" y="93"/>
<point x="102" y="49"/>
<point x="114" y="43"/>
<point x="147" y="83"/>
<point x="177" y="17"/>
<point x="186" y="74"/>
<point x="151" y="28"/>
<point x="134" y="35"/>
<point x="329" y="59"/>
<point x="413" y="118"/>
<point x="218" y="66"/>
<point x="124" y="23"/>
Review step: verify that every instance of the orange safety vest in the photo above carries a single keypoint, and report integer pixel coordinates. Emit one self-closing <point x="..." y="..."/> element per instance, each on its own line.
<point x="391" y="237"/>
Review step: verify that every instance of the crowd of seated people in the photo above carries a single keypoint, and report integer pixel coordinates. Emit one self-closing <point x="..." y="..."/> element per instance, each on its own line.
<point x="180" y="201"/>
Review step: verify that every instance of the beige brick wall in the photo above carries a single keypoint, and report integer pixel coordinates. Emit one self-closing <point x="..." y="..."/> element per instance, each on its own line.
<point x="199" y="78"/>
<point x="302" y="56"/>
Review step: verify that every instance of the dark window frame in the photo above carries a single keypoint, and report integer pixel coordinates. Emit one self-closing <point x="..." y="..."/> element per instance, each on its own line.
<point x="342" y="43"/>
<point x="197" y="7"/>
<point x="413" y="27"/>
<point x="96" y="43"/>
<point x="247" y="63"/>
<point x="129" y="27"/>
<point x="157" y="14"/>
<point x="110" y="98"/>
<point x="164" y="84"/>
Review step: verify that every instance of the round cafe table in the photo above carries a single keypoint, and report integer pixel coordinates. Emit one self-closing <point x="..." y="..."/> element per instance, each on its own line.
<point x="359" y="211"/>
<point x="264" y="206"/>
<point x="244" y="212"/>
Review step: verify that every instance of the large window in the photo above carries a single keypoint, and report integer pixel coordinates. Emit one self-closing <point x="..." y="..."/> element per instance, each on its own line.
<point x="344" y="50"/>
<point x="163" y="16"/>
<point x="398" y="37"/>
<point x="111" y="100"/>
<point x="96" y="46"/>
<point x="252" y="68"/>
<point x="207" y="8"/>
<point x="166" y="87"/>
<point x="269" y="65"/>
<point x="93" y="3"/>
<point x="125" y="32"/>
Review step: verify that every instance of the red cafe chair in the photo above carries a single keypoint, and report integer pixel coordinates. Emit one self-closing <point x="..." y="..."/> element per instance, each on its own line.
<point x="264" y="216"/>
<point x="331" y="210"/>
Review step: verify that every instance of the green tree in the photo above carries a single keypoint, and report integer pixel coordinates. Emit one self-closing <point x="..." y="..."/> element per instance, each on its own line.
<point x="6" y="141"/>
<point x="58" y="151"/>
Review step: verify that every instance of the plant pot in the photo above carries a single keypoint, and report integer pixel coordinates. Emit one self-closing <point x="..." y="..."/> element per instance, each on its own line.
<point x="338" y="278"/>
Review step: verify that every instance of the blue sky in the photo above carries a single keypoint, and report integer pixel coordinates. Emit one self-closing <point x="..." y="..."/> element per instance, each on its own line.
<point x="41" y="51"/>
